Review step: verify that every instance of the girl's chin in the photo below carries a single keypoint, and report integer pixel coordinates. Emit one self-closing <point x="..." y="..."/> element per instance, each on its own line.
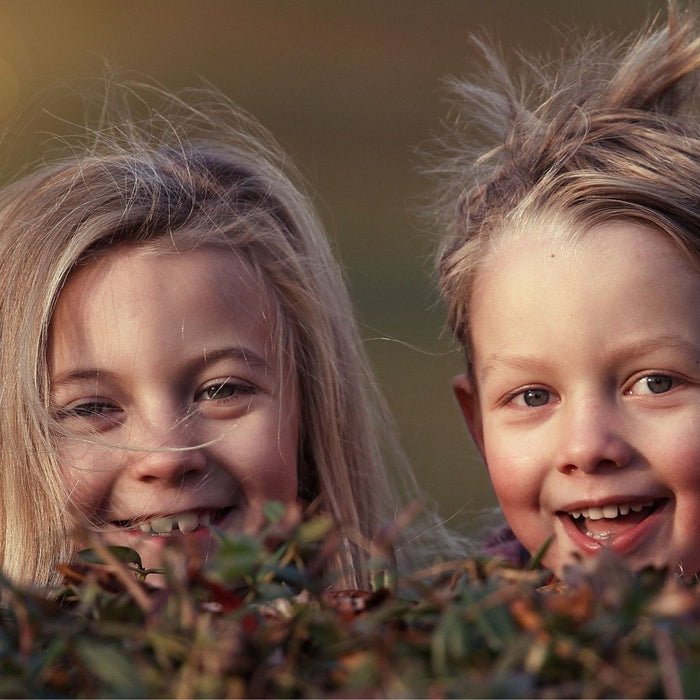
<point x="175" y="534"/>
<point x="153" y="549"/>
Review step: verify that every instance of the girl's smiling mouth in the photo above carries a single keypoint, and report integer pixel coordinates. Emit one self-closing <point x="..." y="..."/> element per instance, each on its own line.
<point x="619" y="526"/>
<point x="176" y="524"/>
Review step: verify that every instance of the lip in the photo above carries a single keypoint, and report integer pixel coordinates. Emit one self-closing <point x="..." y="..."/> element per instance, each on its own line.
<point x="168" y="525"/>
<point x="584" y="504"/>
<point x="623" y="543"/>
<point x="198" y="543"/>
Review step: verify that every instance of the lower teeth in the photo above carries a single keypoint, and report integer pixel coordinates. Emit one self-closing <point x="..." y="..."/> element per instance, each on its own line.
<point x="601" y="535"/>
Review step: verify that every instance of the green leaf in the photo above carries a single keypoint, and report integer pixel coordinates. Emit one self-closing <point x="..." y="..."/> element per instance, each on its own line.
<point x="315" y="530"/>
<point x="274" y="511"/>
<point x="112" y="667"/>
<point x="538" y="556"/>
<point x="238" y="557"/>
<point x="126" y="555"/>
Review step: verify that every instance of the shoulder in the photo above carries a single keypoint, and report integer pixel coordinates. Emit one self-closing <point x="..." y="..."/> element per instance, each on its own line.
<point x="502" y="544"/>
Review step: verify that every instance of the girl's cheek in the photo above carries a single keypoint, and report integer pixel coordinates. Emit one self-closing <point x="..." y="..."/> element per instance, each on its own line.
<point x="84" y="472"/>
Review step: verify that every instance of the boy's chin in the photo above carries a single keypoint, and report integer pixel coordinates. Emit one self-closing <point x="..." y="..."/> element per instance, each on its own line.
<point x="606" y="558"/>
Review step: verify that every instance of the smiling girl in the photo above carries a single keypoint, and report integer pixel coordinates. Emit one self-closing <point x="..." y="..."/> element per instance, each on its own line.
<point x="571" y="270"/>
<point x="178" y="348"/>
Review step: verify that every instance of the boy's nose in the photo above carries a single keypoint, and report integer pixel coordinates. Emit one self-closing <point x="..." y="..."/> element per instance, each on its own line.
<point x="591" y="438"/>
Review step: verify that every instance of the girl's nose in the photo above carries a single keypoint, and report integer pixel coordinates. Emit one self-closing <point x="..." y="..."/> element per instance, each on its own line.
<point x="167" y="452"/>
<point x="591" y="438"/>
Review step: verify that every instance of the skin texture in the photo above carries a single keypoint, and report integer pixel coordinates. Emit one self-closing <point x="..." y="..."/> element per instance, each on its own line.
<point x="586" y="393"/>
<point x="169" y="398"/>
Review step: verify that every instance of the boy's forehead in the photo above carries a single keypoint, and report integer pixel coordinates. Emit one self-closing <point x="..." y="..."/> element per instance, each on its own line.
<point x="546" y="226"/>
<point x="530" y="244"/>
<point x="619" y="279"/>
<point x="555" y="235"/>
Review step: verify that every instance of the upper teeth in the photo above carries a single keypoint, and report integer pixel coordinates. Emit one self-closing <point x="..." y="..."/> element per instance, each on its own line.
<point x="610" y="511"/>
<point x="184" y="522"/>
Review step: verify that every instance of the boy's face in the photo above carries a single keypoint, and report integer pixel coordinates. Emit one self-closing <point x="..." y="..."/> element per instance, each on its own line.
<point x="585" y="401"/>
<point x="172" y="408"/>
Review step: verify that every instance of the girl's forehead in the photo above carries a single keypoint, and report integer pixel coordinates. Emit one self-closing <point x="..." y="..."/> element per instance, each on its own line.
<point x="165" y="261"/>
<point x="167" y="305"/>
<point x="167" y="284"/>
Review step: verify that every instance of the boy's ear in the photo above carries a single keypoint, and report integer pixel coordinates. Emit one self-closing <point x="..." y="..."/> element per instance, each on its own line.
<point x="468" y="400"/>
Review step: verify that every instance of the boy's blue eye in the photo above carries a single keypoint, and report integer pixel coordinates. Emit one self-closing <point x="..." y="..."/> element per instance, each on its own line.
<point x="535" y="397"/>
<point x="532" y="398"/>
<point x="653" y="384"/>
<point x="658" y="384"/>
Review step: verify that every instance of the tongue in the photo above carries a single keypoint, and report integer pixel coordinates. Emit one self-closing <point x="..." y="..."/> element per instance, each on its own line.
<point x="606" y="528"/>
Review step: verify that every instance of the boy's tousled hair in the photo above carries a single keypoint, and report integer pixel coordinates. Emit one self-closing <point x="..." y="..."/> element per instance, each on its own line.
<point x="609" y="135"/>
<point x="204" y="174"/>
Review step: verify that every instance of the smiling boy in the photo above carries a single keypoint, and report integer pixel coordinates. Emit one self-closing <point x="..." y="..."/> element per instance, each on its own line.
<point x="571" y="270"/>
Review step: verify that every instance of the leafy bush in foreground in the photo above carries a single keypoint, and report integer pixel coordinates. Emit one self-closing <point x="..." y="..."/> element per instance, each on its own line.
<point x="252" y="624"/>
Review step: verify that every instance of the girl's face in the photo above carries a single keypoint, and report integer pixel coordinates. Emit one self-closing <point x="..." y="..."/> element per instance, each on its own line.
<point x="585" y="401"/>
<point x="171" y="406"/>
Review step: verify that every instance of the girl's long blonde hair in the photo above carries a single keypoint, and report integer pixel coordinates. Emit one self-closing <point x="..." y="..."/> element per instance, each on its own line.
<point x="203" y="174"/>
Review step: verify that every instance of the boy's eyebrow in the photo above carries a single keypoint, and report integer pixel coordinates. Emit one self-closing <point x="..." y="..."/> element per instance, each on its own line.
<point x="250" y="357"/>
<point x="631" y="351"/>
<point x="512" y="361"/>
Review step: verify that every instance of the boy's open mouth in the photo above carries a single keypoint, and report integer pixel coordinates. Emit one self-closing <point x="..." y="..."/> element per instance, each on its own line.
<point x="609" y="521"/>
<point x="173" y="525"/>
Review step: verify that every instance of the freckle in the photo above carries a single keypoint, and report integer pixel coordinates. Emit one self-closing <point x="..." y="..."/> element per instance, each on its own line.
<point x="552" y="255"/>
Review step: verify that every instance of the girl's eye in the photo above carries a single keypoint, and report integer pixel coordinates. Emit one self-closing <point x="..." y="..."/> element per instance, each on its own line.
<point x="532" y="398"/>
<point x="653" y="384"/>
<point x="91" y="408"/>
<point x="97" y="413"/>
<point x="223" y="390"/>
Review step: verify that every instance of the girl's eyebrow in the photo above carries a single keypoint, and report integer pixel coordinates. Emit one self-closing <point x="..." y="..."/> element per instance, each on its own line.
<point x="251" y="358"/>
<point x="632" y="350"/>
<point x="76" y="376"/>
<point x="240" y="353"/>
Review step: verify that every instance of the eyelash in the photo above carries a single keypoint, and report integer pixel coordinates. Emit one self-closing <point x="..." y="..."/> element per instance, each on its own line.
<point x="91" y="409"/>
<point x="237" y="388"/>
<point x="102" y="409"/>
<point x="511" y="398"/>
<point x="673" y="380"/>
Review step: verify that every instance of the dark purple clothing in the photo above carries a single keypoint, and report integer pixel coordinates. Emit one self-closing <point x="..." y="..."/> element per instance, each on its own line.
<point x="502" y="544"/>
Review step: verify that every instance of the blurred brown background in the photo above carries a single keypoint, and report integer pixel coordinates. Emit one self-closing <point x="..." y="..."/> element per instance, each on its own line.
<point x="350" y="88"/>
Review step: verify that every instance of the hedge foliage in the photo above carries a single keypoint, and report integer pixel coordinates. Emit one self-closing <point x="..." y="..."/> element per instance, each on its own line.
<point x="254" y="623"/>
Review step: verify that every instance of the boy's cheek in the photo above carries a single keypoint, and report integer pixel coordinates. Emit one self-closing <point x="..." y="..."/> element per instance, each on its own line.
<point x="517" y="488"/>
<point x="514" y="491"/>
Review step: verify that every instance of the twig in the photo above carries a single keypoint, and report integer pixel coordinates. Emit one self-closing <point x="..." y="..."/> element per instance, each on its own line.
<point x="123" y="574"/>
<point x="668" y="664"/>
